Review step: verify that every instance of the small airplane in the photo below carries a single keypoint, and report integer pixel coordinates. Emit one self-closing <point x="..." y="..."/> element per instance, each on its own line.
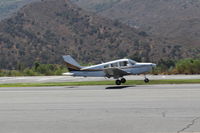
<point x="116" y="69"/>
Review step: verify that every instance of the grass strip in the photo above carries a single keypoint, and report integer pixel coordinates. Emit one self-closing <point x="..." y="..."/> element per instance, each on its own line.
<point x="87" y="83"/>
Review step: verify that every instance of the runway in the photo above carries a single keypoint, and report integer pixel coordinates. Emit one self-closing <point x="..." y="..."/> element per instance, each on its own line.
<point x="45" y="79"/>
<point x="101" y="109"/>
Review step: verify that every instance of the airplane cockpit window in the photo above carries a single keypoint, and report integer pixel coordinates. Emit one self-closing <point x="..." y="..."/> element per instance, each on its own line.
<point x="114" y="65"/>
<point x="106" y="66"/>
<point x="124" y="63"/>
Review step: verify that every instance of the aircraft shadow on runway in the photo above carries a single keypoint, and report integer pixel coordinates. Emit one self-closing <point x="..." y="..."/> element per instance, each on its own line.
<point x="118" y="87"/>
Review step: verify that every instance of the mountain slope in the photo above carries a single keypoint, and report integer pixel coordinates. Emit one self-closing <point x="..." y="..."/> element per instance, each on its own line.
<point x="46" y="30"/>
<point x="8" y="7"/>
<point x="177" y="20"/>
<point x="96" y="5"/>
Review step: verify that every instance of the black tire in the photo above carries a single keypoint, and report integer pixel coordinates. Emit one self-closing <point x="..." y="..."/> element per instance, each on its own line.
<point x="123" y="80"/>
<point x="146" y="80"/>
<point x="118" y="82"/>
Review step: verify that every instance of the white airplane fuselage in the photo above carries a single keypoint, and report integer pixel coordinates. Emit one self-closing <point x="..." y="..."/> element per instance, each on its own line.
<point x="132" y="68"/>
<point x="116" y="69"/>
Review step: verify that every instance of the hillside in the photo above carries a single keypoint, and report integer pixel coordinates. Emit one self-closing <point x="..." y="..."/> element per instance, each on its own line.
<point x="176" y="20"/>
<point x="8" y="7"/>
<point x="44" y="31"/>
<point x="96" y="5"/>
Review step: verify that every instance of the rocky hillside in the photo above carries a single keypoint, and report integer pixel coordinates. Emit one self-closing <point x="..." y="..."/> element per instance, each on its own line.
<point x="44" y="31"/>
<point x="96" y="5"/>
<point x="177" y="20"/>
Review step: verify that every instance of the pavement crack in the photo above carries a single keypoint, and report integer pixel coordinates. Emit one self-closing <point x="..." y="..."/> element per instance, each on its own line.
<point x="189" y="125"/>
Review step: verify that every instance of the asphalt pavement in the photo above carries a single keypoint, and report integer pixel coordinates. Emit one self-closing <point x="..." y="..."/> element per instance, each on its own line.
<point x="101" y="109"/>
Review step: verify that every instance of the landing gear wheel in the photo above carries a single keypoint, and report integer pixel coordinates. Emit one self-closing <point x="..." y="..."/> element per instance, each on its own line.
<point x="146" y="80"/>
<point x="123" y="80"/>
<point x="118" y="82"/>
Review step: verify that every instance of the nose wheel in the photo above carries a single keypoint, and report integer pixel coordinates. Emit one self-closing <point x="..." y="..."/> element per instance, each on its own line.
<point x="119" y="82"/>
<point x="146" y="80"/>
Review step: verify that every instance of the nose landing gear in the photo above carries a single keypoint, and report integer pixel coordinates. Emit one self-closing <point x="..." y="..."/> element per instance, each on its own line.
<point x="146" y="80"/>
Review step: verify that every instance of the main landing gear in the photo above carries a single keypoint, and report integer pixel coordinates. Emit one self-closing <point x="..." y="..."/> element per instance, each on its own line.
<point x="119" y="81"/>
<point x="123" y="80"/>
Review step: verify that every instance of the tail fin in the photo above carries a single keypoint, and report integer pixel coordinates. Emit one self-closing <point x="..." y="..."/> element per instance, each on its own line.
<point x="71" y="64"/>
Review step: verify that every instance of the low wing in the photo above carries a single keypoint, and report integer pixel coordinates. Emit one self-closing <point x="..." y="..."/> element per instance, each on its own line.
<point x="115" y="72"/>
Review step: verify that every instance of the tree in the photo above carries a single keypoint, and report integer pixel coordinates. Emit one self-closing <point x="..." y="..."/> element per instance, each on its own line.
<point x="37" y="64"/>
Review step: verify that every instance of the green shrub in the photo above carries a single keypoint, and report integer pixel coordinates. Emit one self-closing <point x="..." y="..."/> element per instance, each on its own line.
<point x="188" y="66"/>
<point x="37" y="70"/>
